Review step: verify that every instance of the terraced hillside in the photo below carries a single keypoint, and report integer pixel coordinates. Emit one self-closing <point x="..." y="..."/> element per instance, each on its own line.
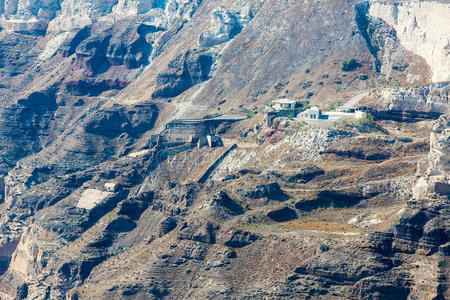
<point x="102" y="199"/>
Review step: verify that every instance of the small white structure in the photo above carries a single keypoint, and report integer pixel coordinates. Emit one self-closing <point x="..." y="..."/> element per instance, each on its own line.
<point x="284" y="104"/>
<point x="111" y="187"/>
<point x="213" y="140"/>
<point x="313" y="113"/>
<point x="210" y="140"/>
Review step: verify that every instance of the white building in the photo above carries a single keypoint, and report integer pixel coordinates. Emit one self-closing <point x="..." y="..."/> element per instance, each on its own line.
<point x="284" y="104"/>
<point x="314" y="113"/>
<point x="111" y="187"/>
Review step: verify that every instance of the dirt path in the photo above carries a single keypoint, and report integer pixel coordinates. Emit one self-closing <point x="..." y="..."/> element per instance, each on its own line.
<point x="353" y="101"/>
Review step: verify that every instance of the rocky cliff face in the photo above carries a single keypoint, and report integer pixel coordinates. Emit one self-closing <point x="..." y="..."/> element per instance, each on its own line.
<point x="422" y="28"/>
<point x="434" y="171"/>
<point x="67" y="15"/>
<point x="431" y="99"/>
<point x="93" y="207"/>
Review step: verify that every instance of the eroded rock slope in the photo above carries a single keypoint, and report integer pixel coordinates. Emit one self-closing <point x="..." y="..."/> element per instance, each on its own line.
<point x="92" y="209"/>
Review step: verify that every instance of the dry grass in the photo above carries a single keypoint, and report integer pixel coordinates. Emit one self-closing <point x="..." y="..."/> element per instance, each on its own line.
<point x="318" y="225"/>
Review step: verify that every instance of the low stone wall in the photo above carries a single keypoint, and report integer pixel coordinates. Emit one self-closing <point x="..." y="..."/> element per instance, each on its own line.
<point x="292" y="113"/>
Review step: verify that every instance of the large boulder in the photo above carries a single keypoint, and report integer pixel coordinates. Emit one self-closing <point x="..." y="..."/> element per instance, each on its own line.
<point x="241" y="239"/>
<point x="167" y="226"/>
<point x="271" y="191"/>
<point x="222" y="202"/>
<point x="282" y="214"/>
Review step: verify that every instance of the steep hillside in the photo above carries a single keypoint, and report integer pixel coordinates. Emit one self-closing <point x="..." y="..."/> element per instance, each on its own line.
<point x="100" y="199"/>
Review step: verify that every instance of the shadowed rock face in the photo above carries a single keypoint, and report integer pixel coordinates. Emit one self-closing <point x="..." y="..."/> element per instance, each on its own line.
<point x="199" y="231"/>
<point x="167" y="226"/>
<point x="134" y="208"/>
<point x="94" y="88"/>
<point x="306" y="174"/>
<point x="241" y="239"/>
<point x="348" y="268"/>
<point x="124" y="43"/>
<point x="421" y="229"/>
<point x="222" y="199"/>
<point x="183" y="72"/>
<point x="330" y="199"/>
<point x="25" y="126"/>
<point x="282" y="215"/>
<point x="271" y="191"/>
<point x="112" y="122"/>
<point x="357" y="153"/>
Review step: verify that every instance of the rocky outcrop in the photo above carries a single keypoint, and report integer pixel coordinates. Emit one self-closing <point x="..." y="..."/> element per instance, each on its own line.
<point x="422" y="229"/>
<point x="94" y="87"/>
<point x="429" y="99"/>
<point x="433" y="172"/>
<point x="391" y="58"/>
<point x="375" y="154"/>
<point x="336" y="264"/>
<point x="167" y="226"/>
<point x="224" y="26"/>
<point x="133" y="208"/>
<point x="271" y="191"/>
<point x="331" y="198"/>
<point x="241" y="239"/>
<point x="66" y="15"/>
<point x="7" y="247"/>
<point x="23" y="16"/>
<point x="25" y="126"/>
<point x="282" y="214"/>
<point x="306" y="174"/>
<point x="359" y="277"/>
<point x="417" y="32"/>
<point x="112" y="129"/>
<point x="123" y="43"/>
<point x="112" y="122"/>
<point x="223" y="205"/>
<point x="199" y="231"/>
<point x="182" y="73"/>
<point x="95" y="207"/>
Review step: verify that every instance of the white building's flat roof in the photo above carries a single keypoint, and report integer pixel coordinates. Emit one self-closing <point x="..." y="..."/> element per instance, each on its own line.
<point x="283" y="101"/>
<point x="314" y="109"/>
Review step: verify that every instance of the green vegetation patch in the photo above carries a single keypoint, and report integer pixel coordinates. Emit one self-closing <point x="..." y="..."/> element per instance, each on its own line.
<point x="350" y="65"/>
<point x="400" y="68"/>
<point x="363" y="77"/>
